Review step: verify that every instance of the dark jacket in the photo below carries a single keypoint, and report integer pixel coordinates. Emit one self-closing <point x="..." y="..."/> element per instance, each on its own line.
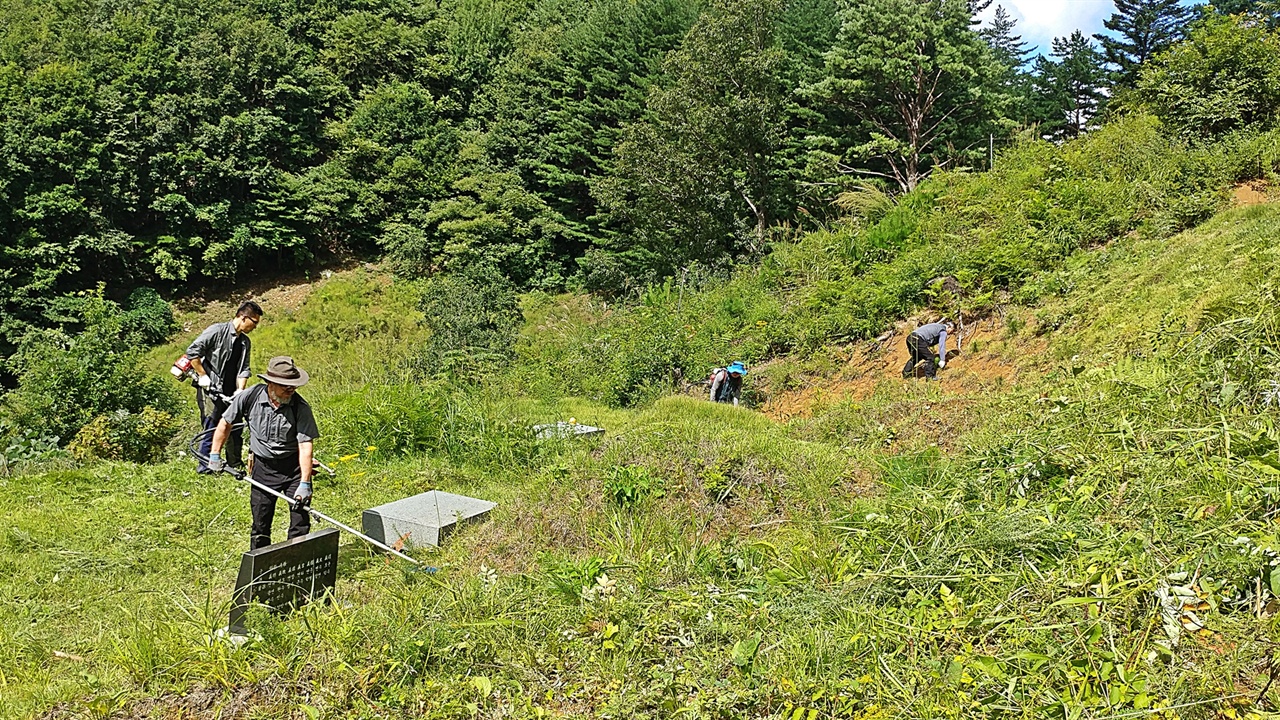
<point x="215" y="348"/>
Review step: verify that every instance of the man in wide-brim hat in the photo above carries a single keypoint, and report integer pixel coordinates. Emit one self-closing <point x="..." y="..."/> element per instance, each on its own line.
<point x="282" y="433"/>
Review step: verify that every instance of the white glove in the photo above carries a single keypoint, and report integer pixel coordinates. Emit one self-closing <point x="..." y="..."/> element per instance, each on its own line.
<point x="204" y="381"/>
<point x="942" y="364"/>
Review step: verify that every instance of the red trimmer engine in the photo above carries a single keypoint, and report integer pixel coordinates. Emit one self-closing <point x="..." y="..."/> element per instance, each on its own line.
<point x="182" y="370"/>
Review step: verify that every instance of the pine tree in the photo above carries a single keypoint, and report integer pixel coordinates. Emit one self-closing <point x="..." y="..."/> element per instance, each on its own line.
<point x="1010" y="52"/>
<point x="1078" y="76"/>
<point x="1046" y="98"/>
<point x="977" y="7"/>
<point x="917" y="82"/>
<point x="1009" y="49"/>
<point x="1145" y="27"/>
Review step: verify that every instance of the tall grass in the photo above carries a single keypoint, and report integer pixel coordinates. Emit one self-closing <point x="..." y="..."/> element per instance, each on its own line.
<point x="987" y="235"/>
<point x="1100" y="544"/>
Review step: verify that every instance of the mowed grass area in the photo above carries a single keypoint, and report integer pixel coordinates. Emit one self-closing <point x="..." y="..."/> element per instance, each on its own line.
<point x="1097" y="543"/>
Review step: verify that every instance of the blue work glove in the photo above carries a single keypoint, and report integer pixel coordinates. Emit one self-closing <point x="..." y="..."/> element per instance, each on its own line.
<point x="302" y="498"/>
<point x="216" y="463"/>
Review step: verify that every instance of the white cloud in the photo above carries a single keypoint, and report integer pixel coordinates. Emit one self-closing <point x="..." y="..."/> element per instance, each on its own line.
<point x="1039" y="21"/>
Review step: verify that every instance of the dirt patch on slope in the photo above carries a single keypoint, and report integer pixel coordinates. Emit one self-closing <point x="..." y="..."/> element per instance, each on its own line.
<point x="988" y="358"/>
<point x="1254" y="192"/>
<point x="277" y="296"/>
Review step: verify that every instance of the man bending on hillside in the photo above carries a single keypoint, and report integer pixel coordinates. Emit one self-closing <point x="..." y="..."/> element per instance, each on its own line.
<point x="920" y="347"/>
<point x="220" y="357"/>
<point x="282" y="433"/>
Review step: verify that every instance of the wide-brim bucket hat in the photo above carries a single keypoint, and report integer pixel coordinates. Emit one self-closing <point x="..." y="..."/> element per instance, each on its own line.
<point x="282" y="371"/>
<point x="737" y="367"/>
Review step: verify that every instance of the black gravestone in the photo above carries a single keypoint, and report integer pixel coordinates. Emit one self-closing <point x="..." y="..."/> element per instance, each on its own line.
<point x="285" y="575"/>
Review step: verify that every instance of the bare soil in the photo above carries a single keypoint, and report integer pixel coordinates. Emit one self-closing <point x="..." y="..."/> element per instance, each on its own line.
<point x="1254" y="192"/>
<point x="1001" y="359"/>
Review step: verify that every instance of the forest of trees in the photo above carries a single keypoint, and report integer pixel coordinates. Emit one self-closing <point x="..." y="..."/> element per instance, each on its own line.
<point x="599" y="144"/>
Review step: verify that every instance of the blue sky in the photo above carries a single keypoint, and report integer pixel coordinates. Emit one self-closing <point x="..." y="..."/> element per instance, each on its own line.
<point x="1039" y="21"/>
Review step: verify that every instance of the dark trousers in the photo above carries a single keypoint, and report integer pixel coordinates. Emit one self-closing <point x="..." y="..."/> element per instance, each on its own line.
<point x="282" y="475"/>
<point x="211" y="411"/>
<point x="919" y="350"/>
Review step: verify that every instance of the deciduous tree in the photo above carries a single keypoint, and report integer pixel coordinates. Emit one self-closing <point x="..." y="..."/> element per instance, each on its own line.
<point x="1224" y="77"/>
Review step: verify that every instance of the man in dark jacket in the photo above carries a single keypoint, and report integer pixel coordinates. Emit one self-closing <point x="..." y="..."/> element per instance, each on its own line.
<point x="920" y="347"/>
<point x="220" y="358"/>
<point x="282" y="434"/>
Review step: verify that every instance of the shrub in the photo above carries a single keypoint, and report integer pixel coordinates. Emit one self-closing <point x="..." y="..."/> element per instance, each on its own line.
<point x="149" y="318"/>
<point x="67" y="380"/>
<point x="1225" y="76"/>
<point x="122" y="435"/>
<point x="473" y="317"/>
<point x="23" y="446"/>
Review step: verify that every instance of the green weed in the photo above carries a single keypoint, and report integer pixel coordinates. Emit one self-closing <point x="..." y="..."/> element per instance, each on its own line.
<point x="627" y="486"/>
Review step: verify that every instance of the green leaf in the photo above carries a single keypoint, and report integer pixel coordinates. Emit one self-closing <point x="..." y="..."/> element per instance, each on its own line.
<point x="1269" y="464"/>
<point x="744" y="651"/>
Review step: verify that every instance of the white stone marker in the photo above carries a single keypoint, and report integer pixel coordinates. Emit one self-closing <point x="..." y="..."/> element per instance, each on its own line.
<point x="565" y="430"/>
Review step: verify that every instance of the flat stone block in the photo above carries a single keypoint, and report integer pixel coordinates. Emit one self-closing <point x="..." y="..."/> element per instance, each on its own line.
<point x="565" y="430"/>
<point x="422" y="519"/>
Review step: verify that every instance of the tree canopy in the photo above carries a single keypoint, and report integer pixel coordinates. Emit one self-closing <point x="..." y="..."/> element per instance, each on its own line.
<point x="916" y="79"/>
<point x="562" y="143"/>
<point x="1142" y="29"/>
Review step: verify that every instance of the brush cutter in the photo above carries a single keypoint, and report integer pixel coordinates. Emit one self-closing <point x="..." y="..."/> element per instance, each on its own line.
<point x="241" y="475"/>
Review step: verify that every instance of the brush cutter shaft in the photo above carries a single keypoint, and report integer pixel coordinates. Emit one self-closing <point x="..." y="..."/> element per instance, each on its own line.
<point x="316" y="513"/>
<point x="240" y="475"/>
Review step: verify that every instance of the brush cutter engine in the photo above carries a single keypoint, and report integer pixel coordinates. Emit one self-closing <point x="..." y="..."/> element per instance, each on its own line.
<point x="182" y="370"/>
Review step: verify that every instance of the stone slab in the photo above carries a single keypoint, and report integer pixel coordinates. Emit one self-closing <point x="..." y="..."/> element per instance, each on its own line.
<point x="423" y="519"/>
<point x="285" y="575"/>
<point x="565" y="430"/>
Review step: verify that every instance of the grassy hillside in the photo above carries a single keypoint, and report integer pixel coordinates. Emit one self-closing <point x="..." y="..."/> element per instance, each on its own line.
<point x="1078" y="521"/>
